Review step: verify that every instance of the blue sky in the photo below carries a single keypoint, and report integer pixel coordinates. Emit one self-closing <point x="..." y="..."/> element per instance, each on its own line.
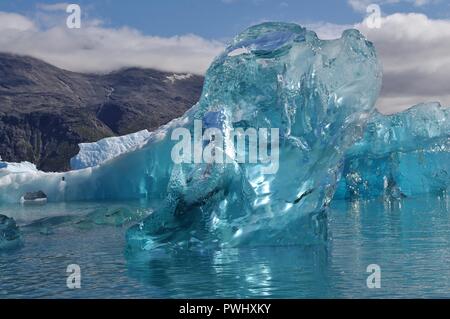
<point x="221" y="19"/>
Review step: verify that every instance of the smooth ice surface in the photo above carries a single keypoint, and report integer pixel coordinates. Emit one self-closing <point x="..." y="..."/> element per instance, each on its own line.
<point x="318" y="93"/>
<point x="93" y="154"/>
<point x="404" y="154"/>
<point x="274" y="75"/>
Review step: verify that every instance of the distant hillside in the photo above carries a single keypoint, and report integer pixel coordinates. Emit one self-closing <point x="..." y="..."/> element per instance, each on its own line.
<point x="45" y="111"/>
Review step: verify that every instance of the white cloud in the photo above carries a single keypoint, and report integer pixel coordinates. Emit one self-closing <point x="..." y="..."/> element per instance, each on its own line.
<point x="94" y="48"/>
<point x="414" y="51"/>
<point x="12" y="22"/>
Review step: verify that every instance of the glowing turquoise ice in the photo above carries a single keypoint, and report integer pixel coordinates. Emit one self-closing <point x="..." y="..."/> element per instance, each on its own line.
<point x="404" y="154"/>
<point x="318" y="93"/>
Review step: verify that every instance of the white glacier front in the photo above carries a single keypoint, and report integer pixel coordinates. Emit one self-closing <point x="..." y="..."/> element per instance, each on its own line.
<point x="127" y="176"/>
<point x="14" y="168"/>
<point x="94" y="154"/>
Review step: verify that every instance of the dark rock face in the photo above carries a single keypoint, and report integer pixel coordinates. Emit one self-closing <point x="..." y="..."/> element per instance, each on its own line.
<point x="45" y="111"/>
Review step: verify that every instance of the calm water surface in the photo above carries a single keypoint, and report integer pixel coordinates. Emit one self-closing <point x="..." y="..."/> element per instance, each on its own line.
<point x="408" y="239"/>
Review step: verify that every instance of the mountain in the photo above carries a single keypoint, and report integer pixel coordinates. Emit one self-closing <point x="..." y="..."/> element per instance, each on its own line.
<point x="46" y="111"/>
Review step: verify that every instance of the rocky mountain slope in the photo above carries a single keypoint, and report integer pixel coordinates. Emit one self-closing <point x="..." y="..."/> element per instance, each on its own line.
<point x="45" y="111"/>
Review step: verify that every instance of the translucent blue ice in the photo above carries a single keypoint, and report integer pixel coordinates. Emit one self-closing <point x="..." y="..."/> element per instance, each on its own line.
<point x="404" y="154"/>
<point x="319" y="95"/>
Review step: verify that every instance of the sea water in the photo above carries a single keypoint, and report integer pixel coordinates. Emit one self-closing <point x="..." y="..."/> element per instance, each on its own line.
<point x="409" y="239"/>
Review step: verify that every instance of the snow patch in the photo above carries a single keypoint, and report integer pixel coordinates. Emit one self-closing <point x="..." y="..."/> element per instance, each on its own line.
<point x="178" y="77"/>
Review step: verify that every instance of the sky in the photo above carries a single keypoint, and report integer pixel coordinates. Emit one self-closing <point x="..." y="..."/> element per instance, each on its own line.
<point x="413" y="41"/>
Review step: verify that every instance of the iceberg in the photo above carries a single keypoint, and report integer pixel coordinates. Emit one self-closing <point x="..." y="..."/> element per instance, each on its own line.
<point x="400" y="155"/>
<point x="23" y="167"/>
<point x="317" y="94"/>
<point x="94" y="154"/>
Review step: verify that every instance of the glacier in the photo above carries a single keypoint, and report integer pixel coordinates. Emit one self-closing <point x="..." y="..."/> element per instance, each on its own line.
<point x="400" y="155"/>
<point x="23" y="167"/>
<point x="94" y="154"/>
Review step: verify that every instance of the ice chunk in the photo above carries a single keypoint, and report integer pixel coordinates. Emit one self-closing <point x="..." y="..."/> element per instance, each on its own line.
<point x="93" y="154"/>
<point x="404" y="154"/>
<point x="23" y="167"/>
<point x="9" y="233"/>
<point x="317" y="94"/>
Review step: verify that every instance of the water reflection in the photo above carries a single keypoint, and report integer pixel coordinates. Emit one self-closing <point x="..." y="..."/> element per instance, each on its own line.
<point x="258" y="272"/>
<point x="408" y="238"/>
